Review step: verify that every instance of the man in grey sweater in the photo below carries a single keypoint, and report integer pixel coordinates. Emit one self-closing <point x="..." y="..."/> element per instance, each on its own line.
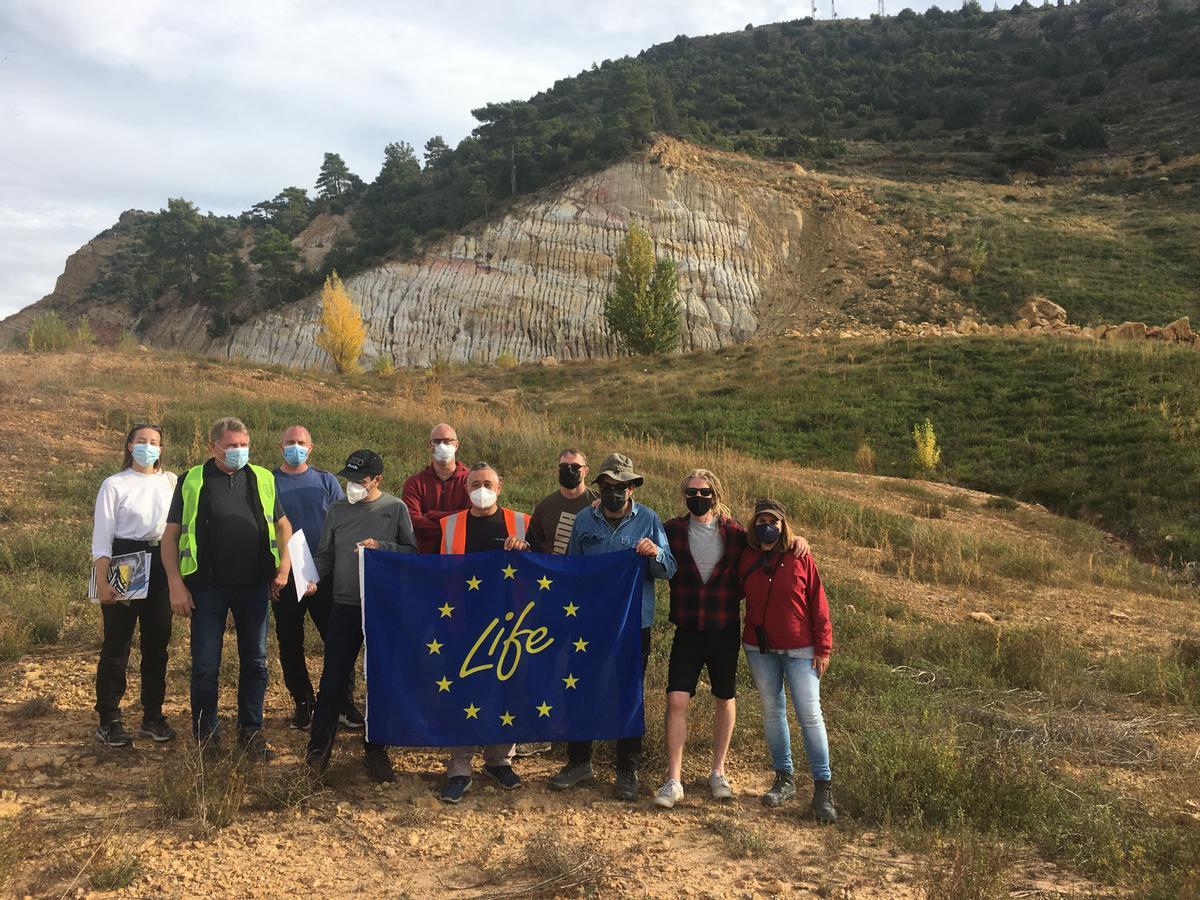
<point x="366" y="518"/>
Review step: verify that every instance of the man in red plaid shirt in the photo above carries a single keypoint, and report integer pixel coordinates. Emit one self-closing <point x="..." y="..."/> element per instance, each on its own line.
<point x="706" y="597"/>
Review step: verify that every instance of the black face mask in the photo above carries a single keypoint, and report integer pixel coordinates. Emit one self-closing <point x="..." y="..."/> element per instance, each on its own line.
<point x="569" y="478"/>
<point x="699" y="505"/>
<point x="767" y="533"/>
<point x="613" y="499"/>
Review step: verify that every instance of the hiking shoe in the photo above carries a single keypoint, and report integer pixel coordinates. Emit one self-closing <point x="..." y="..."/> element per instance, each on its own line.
<point x="350" y="717"/>
<point x="669" y="794"/>
<point x="379" y="767"/>
<point x="302" y="717"/>
<point x="158" y="730"/>
<point x="782" y="790"/>
<point x="255" y="747"/>
<point x="114" y="735"/>
<point x="572" y="774"/>
<point x="719" y="785"/>
<point x="626" y="787"/>
<point x="524" y="750"/>
<point x="822" y="803"/>
<point x="455" y="787"/>
<point x="503" y="776"/>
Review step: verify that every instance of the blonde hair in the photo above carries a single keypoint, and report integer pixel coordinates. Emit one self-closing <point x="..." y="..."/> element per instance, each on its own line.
<point x="713" y="482"/>
<point x="786" y="536"/>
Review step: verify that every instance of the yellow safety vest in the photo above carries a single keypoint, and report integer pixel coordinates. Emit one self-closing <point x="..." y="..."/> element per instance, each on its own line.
<point x="189" y="554"/>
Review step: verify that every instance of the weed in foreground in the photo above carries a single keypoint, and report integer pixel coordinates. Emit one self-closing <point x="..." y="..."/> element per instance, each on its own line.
<point x="202" y="784"/>
<point x="967" y="866"/>
<point x="35" y="708"/>
<point x="740" y="841"/>
<point x="116" y="865"/>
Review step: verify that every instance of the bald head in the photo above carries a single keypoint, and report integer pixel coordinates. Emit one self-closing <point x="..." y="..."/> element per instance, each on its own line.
<point x="442" y="432"/>
<point x="295" y="434"/>
<point x="443" y="444"/>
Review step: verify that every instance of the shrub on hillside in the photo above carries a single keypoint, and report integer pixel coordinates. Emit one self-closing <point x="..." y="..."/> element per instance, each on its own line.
<point x="642" y="309"/>
<point x="342" y="333"/>
<point x="1086" y="133"/>
<point x="48" y="333"/>
<point x="926" y="452"/>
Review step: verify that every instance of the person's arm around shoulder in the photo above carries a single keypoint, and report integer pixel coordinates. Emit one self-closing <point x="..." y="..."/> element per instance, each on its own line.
<point x="818" y="614"/>
<point x="181" y="597"/>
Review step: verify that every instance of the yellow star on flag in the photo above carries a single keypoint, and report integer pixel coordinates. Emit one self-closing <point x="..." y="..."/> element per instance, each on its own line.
<point x="581" y="645"/>
<point x="472" y="711"/>
<point x="444" y="685"/>
<point x="544" y="709"/>
<point x="435" y="646"/>
<point x="445" y="609"/>
<point x="570" y="681"/>
<point x="507" y="718"/>
<point x="509" y="571"/>
<point x="570" y="609"/>
<point x="544" y="583"/>
<point x="473" y="583"/>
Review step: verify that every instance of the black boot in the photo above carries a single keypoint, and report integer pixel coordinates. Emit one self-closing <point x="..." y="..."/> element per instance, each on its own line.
<point x="822" y="802"/>
<point x="782" y="790"/>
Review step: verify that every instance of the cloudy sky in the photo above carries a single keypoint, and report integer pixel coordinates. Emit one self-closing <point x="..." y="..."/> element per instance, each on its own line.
<point x="107" y="105"/>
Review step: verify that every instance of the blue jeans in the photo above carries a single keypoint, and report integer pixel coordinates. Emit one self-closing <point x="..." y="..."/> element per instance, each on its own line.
<point x="770" y="671"/>
<point x="214" y="603"/>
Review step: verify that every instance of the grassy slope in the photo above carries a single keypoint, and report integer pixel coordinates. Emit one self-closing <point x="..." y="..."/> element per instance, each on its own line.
<point x="1107" y="433"/>
<point x="1016" y="731"/>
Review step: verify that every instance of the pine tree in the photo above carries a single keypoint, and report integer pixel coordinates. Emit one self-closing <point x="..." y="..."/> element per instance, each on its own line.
<point x="342" y="333"/>
<point x="642" y="309"/>
<point x="335" y="178"/>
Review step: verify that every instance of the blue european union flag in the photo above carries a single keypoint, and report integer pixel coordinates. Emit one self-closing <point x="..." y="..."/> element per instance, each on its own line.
<point x="492" y="647"/>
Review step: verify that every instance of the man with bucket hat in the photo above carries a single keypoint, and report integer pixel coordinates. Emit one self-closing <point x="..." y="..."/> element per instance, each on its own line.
<point x="619" y="523"/>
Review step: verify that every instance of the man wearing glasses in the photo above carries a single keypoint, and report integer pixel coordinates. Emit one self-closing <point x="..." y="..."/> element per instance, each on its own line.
<point x="438" y="490"/>
<point x="552" y="521"/>
<point x="618" y="523"/>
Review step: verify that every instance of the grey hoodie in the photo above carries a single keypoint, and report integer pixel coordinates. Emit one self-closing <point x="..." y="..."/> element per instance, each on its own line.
<point x="385" y="519"/>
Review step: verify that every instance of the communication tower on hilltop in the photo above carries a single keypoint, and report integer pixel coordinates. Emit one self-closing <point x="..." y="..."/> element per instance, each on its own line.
<point x="814" y="8"/>
<point x="833" y="9"/>
<point x="881" y="12"/>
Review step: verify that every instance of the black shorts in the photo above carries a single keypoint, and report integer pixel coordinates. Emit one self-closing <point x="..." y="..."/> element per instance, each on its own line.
<point x="692" y="650"/>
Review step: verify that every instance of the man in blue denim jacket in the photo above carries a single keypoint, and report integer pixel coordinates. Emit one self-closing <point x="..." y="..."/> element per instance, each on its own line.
<point x="618" y="523"/>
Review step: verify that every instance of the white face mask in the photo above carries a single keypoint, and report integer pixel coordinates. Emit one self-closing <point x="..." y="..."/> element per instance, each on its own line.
<point x="356" y="492"/>
<point x="483" y="498"/>
<point x="443" y="453"/>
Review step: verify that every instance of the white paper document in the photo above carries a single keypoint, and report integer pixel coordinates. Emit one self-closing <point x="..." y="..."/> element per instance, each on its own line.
<point x="304" y="570"/>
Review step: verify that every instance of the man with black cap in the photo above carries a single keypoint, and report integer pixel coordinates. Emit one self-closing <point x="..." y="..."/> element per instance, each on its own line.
<point x="366" y="518"/>
<point x="618" y="523"/>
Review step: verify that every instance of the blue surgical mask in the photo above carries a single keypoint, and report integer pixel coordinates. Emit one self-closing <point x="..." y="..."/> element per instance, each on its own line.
<point x="236" y="457"/>
<point x="145" y="454"/>
<point x="295" y="454"/>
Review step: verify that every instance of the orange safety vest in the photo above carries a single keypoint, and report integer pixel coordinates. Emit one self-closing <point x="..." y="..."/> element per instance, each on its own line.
<point x="454" y="529"/>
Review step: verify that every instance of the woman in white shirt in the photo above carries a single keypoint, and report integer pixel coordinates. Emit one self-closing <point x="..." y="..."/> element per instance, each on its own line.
<point x="131" y="512"/>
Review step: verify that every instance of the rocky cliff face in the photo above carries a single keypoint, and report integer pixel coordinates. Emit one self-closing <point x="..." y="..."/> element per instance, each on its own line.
<point x="760" y="248"/>
<point x="533" y="283"/>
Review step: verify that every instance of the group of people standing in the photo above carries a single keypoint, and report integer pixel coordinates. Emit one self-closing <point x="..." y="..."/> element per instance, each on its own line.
<point x="217" y="538"/>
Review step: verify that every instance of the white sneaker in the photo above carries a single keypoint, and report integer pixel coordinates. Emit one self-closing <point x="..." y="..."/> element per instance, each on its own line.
<point x="669" y="794"/>
<point x="719" y="785"/>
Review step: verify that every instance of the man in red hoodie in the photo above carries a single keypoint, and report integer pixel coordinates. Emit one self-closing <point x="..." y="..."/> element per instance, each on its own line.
<point x="438" y="490"/>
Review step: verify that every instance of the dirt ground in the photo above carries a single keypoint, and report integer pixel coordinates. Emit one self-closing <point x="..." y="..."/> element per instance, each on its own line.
<point x="66" y="803"/>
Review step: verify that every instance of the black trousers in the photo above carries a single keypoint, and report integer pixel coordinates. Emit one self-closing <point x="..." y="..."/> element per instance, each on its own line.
<point x="153" y="616"/>
<point x="629" y="750"/>
<point x="343" y="640"/>
<point x="289" y="634"/>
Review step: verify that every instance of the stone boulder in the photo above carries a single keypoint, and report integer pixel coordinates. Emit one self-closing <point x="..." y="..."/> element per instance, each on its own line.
<point x="961" y="275"/>
<point x="928" y="269"/>
<point x="1040" y="310"/>
<point x="1179" y="330"/>
<point x="1127" y="331"/>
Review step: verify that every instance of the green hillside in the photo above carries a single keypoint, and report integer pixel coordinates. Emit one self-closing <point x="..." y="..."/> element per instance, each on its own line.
<point x="1105" y="433"/>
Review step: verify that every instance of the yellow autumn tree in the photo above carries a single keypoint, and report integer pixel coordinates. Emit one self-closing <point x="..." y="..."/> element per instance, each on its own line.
<point x="342" y="331"/>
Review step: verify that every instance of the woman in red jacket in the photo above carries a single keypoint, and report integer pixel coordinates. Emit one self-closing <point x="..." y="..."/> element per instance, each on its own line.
<point x="787" y="638"/>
